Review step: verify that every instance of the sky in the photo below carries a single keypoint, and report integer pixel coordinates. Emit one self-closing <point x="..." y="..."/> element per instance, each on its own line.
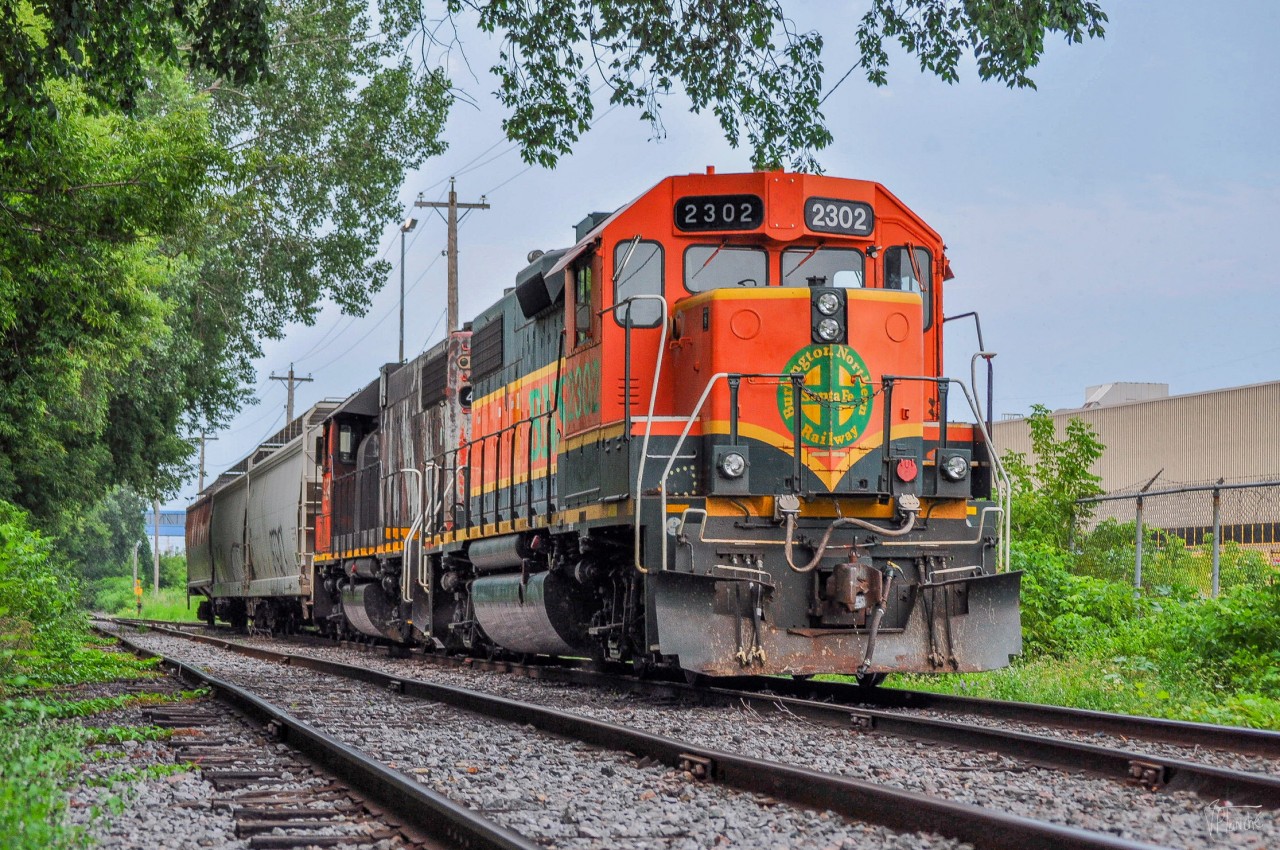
<point x="1114" y="224"/>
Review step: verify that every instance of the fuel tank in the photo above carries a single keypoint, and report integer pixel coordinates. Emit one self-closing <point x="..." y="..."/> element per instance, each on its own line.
<point x="372" y="612"/>
<point x="544" y="614"/>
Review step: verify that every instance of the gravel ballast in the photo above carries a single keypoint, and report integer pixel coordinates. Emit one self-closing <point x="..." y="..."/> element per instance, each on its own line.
<point x="978" y="778"/>
<point x="556" y="792"/>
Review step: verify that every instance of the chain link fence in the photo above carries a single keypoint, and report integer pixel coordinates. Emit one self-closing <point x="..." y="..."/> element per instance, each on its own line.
<point x="1209" y="536"/>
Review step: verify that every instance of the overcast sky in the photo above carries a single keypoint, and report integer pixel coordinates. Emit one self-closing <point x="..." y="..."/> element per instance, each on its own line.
<point x="1114" y="225"/>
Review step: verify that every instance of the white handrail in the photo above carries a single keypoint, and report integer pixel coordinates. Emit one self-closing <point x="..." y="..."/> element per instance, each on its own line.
<point x="662" y="482"/>
<point x="648" y="423"/>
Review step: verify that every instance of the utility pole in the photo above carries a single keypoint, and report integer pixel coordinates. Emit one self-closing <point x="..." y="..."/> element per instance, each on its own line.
<point x="452" y="251"/>
<point x="156" y="549"/>
<point x="409" y="224"/>
<point x="293" y="382"/>
<point x="203" y="439"/>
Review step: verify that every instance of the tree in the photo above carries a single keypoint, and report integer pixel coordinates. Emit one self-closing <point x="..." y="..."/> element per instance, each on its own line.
<point x="82" y="275"/>
<point x="180" y="181"/>
<point x="143" y="257"/>
<point x="1047" y="492"/>
<point x="315" y="158"/>
<point x="743" y="60"/>
<point x="99" y="542"/>
<point x="109" y="46"/>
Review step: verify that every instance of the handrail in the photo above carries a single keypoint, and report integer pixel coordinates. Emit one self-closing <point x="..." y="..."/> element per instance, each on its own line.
<point x="1004" y="488"/>
<point x="675" y="452"/>
<point x="405" y="589"/>
<point x="648" y="422"/>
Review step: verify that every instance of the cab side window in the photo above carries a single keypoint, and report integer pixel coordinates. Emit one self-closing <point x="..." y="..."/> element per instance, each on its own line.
<point x="637" y="268"/>
<point x="910" y="270"/>
<point x="582" y="311"/>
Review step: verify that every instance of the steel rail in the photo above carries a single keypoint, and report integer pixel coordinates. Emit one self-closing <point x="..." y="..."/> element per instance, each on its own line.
<point x="1236" y="739"/>
<point x="894" y="808"/>
<point x="435" y="815"/>
<point x="1139" y="768"/>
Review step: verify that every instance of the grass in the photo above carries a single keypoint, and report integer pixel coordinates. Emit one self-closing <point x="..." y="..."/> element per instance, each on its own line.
<point x="40" y="757"/>
<point x="169" y="604"/>
<point x="1121" y="684"/>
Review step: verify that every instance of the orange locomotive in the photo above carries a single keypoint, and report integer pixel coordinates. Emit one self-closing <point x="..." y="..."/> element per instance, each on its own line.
<point x="712" y="434"/>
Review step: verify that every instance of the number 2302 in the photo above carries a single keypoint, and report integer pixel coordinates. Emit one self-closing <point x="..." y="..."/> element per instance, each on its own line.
<point x="838" y="216"/>
<point x="712" y="213"/>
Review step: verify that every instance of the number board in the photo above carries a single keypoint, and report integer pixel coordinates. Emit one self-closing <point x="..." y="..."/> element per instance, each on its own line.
<point x="719" y="212"/>
<point x="829" y="215"/>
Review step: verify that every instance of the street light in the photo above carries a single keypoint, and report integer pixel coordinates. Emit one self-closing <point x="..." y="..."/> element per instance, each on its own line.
<point x="409" y="224"/>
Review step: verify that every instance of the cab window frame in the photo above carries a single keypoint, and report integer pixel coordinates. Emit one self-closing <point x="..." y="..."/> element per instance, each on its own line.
<point x="660" y="255"/>
<point x="583" y="270"/>
<point x="925" y="278"/>
<point x="805" y="249"/>
<point x="723" y="246"/>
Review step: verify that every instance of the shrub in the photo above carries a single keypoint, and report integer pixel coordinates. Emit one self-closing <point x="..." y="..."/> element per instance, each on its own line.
<point x="40" y="620"/>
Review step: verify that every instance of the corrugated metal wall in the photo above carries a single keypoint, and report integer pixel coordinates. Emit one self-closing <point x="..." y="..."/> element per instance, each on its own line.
<point x="1233" y="434"/>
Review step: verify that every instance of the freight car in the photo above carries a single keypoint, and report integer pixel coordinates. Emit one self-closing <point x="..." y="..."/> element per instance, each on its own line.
<point x="713" y="434"/>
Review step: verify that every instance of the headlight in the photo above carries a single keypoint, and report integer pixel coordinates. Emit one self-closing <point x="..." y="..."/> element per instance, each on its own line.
<point x="828" y="303"/>
<point x="732" y="465"/>
<point x="955" y="467"/>
<point x="828" y="330"/>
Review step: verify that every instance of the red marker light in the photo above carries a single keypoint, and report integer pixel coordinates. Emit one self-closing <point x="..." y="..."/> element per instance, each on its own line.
<point x="907" y="469"/>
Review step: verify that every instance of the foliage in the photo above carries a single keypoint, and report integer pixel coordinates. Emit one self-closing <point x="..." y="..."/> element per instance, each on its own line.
<point x="82" y="277"/>
<point x="100" y="541"/>
<point x="39" y="615"/>
<point x="35" y="761"/>
<point x="116" y="597"/>
<point x="294" y="211"/>
<point x="1005" y="46"/>
<point x="143" y="257"/>
<point x="1047" y="493"/>
<point x="743" y="60"/>
<point x="108" y="46"/>
<point x="1091" y="641"/>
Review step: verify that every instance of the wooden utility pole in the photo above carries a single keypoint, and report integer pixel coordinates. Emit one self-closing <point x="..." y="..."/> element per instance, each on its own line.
<point x="155" y="505"/>
<point x="203" y="439"/>
<point x="452" y="250"/>
<point x="292" y="382"/>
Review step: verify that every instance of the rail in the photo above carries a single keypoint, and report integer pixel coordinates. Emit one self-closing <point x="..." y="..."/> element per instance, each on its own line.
<point x="795" y="379"/>
<point x="426" y="810"/>
<point x="888" y="806"/>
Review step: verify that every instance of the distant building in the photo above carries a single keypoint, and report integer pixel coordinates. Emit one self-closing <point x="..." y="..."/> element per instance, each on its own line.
<point x="1232" y="435"/>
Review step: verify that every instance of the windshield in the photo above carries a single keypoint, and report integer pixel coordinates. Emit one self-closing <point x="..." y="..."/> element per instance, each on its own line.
<point x="716" y="266"/>
<point x="822" y="267"/>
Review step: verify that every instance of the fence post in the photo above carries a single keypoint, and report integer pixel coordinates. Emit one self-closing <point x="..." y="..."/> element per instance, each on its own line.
<point x="1217" y="538"/>
<point x="1137" y="558"/>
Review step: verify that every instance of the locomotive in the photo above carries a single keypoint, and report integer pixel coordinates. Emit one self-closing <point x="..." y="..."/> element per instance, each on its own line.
<point x="713" y="434"/>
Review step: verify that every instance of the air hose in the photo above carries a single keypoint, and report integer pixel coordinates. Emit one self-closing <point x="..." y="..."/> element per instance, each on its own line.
<point x="908" y="504"/>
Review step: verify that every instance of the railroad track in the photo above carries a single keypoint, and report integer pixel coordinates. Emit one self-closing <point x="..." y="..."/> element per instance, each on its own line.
<point x="892" y="807"/>
<point x="358" y="789"/>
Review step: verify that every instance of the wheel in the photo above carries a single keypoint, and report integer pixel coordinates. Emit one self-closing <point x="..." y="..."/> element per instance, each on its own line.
<point x="698" y="680"/>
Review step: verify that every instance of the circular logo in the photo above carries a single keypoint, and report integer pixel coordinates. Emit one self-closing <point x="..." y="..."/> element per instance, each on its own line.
<point x="836" y="398"/>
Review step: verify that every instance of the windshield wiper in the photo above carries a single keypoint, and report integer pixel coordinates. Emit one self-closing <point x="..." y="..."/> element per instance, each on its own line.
<point x="807" y="258"/>
<point x="626" y="259"/>
<point x="709" y="259"/>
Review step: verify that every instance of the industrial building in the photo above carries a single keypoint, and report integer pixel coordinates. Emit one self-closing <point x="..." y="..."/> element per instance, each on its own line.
<point x="1161" y="443"/>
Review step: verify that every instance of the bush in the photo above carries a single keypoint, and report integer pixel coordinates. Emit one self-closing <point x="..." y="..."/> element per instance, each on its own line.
<point x="40" y="621"/>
